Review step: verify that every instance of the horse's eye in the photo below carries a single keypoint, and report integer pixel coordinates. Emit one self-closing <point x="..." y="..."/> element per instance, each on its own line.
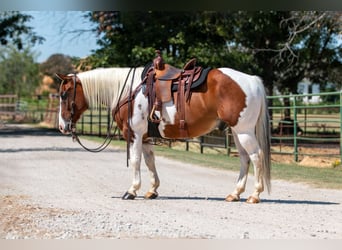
<point x="64" y="95"/>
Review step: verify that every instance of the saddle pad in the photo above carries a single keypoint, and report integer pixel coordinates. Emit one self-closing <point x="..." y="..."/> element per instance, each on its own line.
<point x="197" y="83"/>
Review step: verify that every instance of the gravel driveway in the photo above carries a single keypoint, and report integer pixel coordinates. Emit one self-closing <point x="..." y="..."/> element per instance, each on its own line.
<point x="51" y="188"/>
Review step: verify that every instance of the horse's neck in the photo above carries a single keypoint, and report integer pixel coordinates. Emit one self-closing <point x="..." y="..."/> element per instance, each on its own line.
<point x="108" y="86"/>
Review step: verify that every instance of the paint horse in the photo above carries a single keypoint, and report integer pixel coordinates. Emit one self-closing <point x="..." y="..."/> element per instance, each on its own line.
<point x="227" y="95"/>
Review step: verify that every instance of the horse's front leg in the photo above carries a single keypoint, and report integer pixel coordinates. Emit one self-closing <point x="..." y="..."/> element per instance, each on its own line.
<point x="148" y="153"/>
<point x="135" y="161"/>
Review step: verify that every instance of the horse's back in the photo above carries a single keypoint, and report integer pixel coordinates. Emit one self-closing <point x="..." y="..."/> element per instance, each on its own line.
<point x="250" y="84"/>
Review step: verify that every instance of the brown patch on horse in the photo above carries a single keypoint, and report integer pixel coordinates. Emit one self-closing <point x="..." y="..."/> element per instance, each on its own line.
<point x="220" y="97"/>
<point x="231" y="98"/>
<point x="120" y="115"/>
<point x="80" y="101"/>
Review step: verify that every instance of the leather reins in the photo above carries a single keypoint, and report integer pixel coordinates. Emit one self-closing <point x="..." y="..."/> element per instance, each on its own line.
<point x="108" y="138"/>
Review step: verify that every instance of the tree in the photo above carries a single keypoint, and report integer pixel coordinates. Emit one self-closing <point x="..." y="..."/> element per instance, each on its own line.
<point x="282" y="47"/>
<point x="312" y="49"/>
<point x="290" y="46"/>
<point x="131" y="38"/>
<point x="14" y="30"/>
<point x="19" y="72"/>
<point x="57" y="63"/>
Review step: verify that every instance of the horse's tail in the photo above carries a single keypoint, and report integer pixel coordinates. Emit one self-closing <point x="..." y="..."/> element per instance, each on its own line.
<point x="263" y="137"/>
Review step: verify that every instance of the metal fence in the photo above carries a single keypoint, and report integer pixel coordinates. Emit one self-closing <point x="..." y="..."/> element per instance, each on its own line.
<point x="306" y="121"/>
<point x="34" y="110"/>
<point x="310" y="120"/>
<point x="8" y="105"/>
<point x="95" y="122"/>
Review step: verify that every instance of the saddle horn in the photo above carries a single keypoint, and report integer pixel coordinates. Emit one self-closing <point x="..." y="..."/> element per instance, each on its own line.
<point x="158" y="62"/>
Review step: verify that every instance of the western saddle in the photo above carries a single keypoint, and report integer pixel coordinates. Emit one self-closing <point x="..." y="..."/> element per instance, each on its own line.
<point x="163" y="80"/>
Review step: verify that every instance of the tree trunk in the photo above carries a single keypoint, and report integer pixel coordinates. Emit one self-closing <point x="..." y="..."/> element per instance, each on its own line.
<point x="287" y="108"/>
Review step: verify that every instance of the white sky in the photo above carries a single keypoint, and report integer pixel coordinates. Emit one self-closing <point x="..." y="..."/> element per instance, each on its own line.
<point x="58" y="28"/>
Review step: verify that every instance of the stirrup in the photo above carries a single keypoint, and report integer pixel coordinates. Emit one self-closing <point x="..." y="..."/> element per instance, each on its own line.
<point x="153" y="115"/>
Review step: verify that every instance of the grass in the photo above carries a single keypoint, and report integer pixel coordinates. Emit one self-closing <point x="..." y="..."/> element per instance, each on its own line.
<point x="330" y="178"/>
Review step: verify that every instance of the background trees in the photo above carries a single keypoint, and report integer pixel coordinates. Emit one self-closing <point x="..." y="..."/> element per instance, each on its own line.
<point x="19" y="72"/>
<point x="130" y="38"/>
<point x="57" y="63"/>
<point x="13" y="29"/>
<point x="282" y="47"/>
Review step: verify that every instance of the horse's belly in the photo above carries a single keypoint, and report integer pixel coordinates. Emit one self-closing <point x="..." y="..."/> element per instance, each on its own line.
<point x="192" y="127"/>
<point x="199" y="119"/>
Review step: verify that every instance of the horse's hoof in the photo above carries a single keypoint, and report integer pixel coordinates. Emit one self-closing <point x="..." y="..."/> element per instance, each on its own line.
<point x="151" y="195"/>
<point x="252" y="200"/>
<point x="128" y="196"/>
<point x="231" y="198"/>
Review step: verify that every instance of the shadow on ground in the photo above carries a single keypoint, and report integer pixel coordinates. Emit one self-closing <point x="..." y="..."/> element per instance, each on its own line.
<point x="16" y="130"/>
<point x="221" y="199"/>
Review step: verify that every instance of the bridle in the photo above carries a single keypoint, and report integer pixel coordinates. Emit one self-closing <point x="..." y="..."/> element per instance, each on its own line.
<point x="109" y="138"/>
<point x="72" y="127"/>
<point x="72" y="111"/>
<point x="63" y="96"/>
<point x="71" y="124"/>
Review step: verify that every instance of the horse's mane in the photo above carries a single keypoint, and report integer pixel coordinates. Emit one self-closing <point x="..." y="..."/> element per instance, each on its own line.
<point x="103" y="86"/>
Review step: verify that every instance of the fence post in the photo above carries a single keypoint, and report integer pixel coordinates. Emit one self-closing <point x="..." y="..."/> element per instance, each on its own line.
<point x="108" y="119"/>
<point x="295" y="129"/>
<point x="340" y="126"/>
<point x="100" y="134"/>
<point x="228" y="142"/>
<point x="202" y="141"/>
<point x="91" y="121"/>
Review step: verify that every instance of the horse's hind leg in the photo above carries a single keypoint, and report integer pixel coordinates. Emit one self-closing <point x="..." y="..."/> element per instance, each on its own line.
<point x="148" y="153"/>
<point x="249" y="143"/>
<point x="244" y="161"/>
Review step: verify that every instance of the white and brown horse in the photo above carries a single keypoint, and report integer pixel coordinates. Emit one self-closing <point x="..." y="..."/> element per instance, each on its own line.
<point x="227" y="95"/>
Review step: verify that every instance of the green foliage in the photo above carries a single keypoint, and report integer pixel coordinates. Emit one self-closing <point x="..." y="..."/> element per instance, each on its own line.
<point x="133" y="41"/>
<point x="13" y="29"/>
<point x="19" y="73"/>
<point x="282" y="47"/>
<point x="142" y="55"/>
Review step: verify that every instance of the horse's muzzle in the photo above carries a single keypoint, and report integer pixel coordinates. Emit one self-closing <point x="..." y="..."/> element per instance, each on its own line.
<point x="65" y="128"/>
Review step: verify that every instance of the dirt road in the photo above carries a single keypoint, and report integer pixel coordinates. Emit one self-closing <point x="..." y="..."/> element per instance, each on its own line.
<point x="51" y="188"/>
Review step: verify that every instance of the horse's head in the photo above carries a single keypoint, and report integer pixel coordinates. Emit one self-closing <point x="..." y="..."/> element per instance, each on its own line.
<point x="72" y="102"/>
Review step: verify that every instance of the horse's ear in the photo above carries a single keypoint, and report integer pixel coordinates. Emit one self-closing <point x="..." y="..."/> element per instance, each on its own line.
<point x="60" y="76"/>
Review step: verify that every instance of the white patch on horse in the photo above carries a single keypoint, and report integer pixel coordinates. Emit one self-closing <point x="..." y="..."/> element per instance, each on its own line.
<point x="140" y="112"/>
<point x="251" y="86"/>
<point x="61" y="122"/>
<point x="169" y="114"/>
